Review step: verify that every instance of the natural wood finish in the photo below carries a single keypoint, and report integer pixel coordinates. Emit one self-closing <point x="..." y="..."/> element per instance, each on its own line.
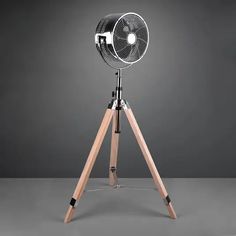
<point x="69" y="214"/>
<point x="90" y="161"/>
<point x="114" y="150"/>
<point x="147" y="155"/>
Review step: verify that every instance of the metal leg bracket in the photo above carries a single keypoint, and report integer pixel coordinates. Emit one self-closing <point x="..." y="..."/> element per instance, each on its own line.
<point x="167" y="200"/>
<point x="74" y="202"/>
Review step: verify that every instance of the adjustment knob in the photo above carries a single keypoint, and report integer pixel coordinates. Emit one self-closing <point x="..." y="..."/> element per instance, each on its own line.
<point x="113" y="94"/>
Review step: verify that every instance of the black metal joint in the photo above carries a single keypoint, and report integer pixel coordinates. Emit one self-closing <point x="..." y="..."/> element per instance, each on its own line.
<point x="73" y="202"/>
<point x="119" y="88"/>
<point x="167" y="200"/>
<point x="113" y="169"/>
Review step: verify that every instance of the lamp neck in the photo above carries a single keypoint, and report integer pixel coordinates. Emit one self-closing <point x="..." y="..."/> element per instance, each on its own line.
<point x="118" y="91"/>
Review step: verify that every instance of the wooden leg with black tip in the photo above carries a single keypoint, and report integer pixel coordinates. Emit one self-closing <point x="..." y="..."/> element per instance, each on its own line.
<point x="89" y="164"/>
<point x="147" y="155"/>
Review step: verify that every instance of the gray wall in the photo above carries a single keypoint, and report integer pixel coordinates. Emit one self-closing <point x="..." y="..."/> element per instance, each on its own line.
<point x="54" y="88"/>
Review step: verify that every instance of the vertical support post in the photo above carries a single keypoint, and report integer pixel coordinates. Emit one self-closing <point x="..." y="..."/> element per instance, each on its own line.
<point x="114" y="152"/>
<point x="115" y="131"/>
<point x="118" y="98"/>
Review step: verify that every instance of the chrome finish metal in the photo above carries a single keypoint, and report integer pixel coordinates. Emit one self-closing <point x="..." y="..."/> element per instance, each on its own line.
<point x="119" y="84"/>
<point x="124" y="104"/>
<point x="105" y="39"/>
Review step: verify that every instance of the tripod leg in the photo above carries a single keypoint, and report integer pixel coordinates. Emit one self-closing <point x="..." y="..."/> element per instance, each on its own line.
<point x="89" y="164"/>
<point x="151" y="165"/>
<point x="114" y="151"/>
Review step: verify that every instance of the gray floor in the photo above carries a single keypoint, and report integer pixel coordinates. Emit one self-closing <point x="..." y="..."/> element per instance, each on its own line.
<point x="37" y="206"/>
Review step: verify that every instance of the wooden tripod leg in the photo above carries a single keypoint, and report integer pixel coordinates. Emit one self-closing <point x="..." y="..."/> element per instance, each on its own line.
<point x="114" y="152"/>
<point x="89" y="164"/>
<point x="156" y="176"/>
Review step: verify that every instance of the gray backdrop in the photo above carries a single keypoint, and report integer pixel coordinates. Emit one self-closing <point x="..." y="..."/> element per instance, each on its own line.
<point x="54" y="89"/>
